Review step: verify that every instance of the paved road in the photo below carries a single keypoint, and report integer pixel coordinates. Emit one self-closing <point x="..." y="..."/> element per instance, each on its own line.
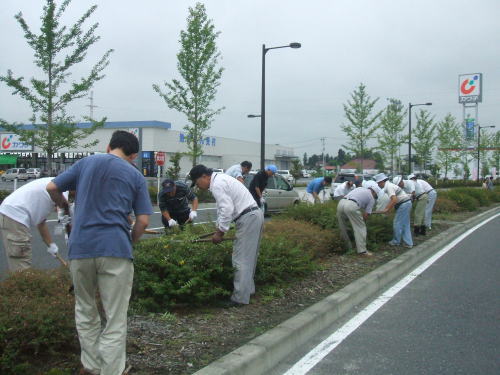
<point x="42" y="260"/>
<point x="446" y="321"/>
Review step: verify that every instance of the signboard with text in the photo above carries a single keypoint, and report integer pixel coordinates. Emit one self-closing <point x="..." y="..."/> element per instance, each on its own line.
<point x="469" y="129"/>
<point x="11" y="142"/>
<point x="160" y="158"/>
<point x="470" y="88"/>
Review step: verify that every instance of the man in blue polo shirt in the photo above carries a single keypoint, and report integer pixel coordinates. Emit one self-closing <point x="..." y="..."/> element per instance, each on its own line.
<point x="108" y="188"/>
<point x="316" y="185"/>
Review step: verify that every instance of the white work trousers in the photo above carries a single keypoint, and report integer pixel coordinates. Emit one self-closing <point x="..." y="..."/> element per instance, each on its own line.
<point x="103" y="351"/>
<point x="349" y="210"/>
<point x="429" y="207"/>
<point x="245" y="254"/>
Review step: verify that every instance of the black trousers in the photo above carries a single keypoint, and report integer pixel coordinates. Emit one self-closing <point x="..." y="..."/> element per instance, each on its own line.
<point x="180" y="217"/>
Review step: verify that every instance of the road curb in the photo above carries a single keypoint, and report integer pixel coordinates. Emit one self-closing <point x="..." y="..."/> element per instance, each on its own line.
<point x="260" y="355"/>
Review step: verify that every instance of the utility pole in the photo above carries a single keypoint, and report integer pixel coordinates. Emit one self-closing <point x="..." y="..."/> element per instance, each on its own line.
<point x="91" y="105"/>
<point x="323" y="153"/>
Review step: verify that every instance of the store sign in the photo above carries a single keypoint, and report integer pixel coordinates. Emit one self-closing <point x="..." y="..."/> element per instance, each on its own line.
<point x="160" y="158"/>
<point x="206" y="141"/>
<point x="469" y="129"/>
<point x="12" y="142"/>
<point x="470" y="88"/>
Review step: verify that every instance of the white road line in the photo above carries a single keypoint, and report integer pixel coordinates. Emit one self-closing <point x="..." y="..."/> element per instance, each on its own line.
<point x="311" y="359"/>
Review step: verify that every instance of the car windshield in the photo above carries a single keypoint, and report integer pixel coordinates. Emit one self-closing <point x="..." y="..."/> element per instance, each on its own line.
<point x="343" y="178"/>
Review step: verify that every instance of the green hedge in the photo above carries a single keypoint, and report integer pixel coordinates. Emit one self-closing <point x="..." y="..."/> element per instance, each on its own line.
<point x="36" y="319"/>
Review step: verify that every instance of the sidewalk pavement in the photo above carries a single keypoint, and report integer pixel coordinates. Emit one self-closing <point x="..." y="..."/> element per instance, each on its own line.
<point x="263" y="353"/>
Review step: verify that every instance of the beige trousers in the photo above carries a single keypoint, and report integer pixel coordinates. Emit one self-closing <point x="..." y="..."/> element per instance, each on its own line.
<point x="349" y="211"/>
<point x="419" y="214"/>
<point x="16" y="239"/>
<point x="103" y="351"/>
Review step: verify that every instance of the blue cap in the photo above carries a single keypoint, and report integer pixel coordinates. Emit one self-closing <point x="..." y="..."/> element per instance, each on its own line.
<point x="271" y="167"/>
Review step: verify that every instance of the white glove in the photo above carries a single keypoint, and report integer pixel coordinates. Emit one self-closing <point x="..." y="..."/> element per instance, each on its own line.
<point x="172" y="223"/>
<point x="193" y="215"/>
<point x="262" y="201"/>
<point x="53" y="249"/>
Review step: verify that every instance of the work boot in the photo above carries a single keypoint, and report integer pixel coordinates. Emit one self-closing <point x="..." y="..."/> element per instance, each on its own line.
<point x="416" y="230"/>
<point x="423" y="230"/>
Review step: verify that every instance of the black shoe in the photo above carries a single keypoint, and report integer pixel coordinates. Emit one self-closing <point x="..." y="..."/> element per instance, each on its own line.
<point x="416" y="230"/>
<point x="423" y="230"/>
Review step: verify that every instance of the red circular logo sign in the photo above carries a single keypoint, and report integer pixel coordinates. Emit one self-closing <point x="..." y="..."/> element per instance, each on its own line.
<point x="160" y="158"/>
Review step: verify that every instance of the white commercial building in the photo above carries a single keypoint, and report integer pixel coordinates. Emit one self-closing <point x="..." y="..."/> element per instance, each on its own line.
<point x="154" y="136"/>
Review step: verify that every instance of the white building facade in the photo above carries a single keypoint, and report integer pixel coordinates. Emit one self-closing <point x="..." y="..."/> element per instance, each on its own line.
<point x="157" y="136"/>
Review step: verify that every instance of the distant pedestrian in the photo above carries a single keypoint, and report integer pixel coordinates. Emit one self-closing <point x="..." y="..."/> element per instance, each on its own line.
<point x="402" y="204"/>
<point x="355" y="208"/>
<point x="26" y="207"/>
<point x="343" y="189"/>
<point x="239" y="171"/>
<point x="491" y="186"/>
<point x="108" y="188"/>
<point x="175" y="197"/>
<point x="235" y="204"/>
<point x="315" y="186"/>
<point x="432" y="196"/>
<point x="259" y="184"/>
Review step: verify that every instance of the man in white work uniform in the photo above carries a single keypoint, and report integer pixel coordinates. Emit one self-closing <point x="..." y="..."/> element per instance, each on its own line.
<point x="26" y="207"/>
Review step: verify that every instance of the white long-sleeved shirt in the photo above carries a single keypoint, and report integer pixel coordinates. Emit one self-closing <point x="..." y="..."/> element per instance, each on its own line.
<point x="343" y="189"/>
<point x="409" y="186"/>
<point x="235" y="171"/>
<point x="231" y="197"/>
<point x="425" y="187"/>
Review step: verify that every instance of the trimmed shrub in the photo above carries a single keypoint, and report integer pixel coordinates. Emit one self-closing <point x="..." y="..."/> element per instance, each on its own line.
<point x="36" y="319"/>
<point x="463" y="200"/>
<point x="172" y="270"/>
<point x="480" y="195"/>
<point x="311" y="238"/>
<point x="3" y="195"/>
<point x="445" y="205"/>
<point x="379" y="230"/>
<point x="323" y="215"/>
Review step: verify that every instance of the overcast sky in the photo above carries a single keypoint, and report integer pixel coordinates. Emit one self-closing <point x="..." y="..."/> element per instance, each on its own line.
<point x="412" y="50"/>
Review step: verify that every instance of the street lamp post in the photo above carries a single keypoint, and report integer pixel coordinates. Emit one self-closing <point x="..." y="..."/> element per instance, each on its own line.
<point x="263" y="100"/>
<point x="478" y="147"/>
<point x="409" y="132"/>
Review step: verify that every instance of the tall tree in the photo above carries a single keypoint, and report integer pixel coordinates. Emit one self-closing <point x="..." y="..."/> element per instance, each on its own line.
<point x="304" y="159"/>
<point x="391" y="127"/>
<point x="495" y="155"/>
<point x="362" y="124"/>
<point x="449" y="137"/>
<point x="425" y="138"/>
<point x="197" y="63"/>
<point x="174" y="171"/>
<point x="57" y="49"/>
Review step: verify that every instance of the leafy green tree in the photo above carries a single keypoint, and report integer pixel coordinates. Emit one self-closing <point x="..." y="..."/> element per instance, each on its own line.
<point x="495" y="155"/>
<point x="57" y="49"/>
<point x="425" y="138"/>
<point x="174" y="170"/>
<point x="449" y="138"/>
<point x="296" y="168"/>
<point x="362" y="125"/>
<point x="304" y="159"/>
<point x="391" y="127"/>
<point x="197" y="63"/>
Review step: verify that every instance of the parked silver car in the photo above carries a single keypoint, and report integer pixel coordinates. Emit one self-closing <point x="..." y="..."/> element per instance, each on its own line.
<point x="13" y="173"/>
<point x="33" y="172"/>
<point x="279" y="194"/>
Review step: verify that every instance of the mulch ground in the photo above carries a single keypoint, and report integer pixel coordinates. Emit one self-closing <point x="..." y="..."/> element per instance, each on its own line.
<point x="186" y="339"/>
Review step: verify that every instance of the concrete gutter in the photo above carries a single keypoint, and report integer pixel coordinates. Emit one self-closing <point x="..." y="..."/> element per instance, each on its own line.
<point x="263" y="353"/>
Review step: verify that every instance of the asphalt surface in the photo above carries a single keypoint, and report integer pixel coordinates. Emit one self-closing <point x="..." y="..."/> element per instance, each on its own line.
<point x="446" y="321"/>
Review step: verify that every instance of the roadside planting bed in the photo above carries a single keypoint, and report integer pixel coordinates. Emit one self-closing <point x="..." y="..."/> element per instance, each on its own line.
<point x="175" y="324"/>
